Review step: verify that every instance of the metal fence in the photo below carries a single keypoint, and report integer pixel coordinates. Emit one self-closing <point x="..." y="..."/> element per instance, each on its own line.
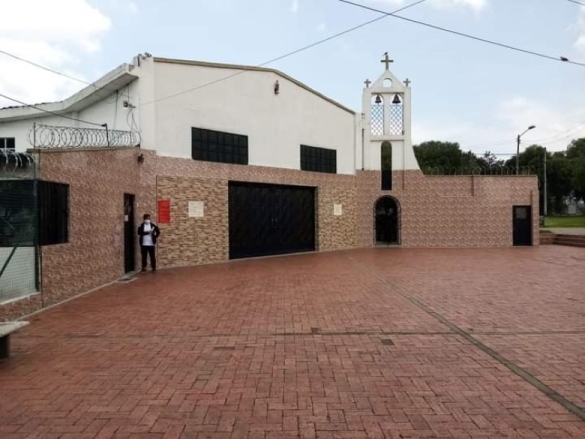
<point x="19" y="251"/>
<point x="479" y="170"/>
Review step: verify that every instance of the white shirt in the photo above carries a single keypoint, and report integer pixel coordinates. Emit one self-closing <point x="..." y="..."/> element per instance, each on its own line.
<point x="147" y="239"/>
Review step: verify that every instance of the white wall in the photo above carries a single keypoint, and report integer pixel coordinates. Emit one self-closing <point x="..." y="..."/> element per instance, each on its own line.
<point x="109" y="110"/>
<point x="276" y="125"/>
<point x="18" y="280"/>
<point x="403" y="157"/>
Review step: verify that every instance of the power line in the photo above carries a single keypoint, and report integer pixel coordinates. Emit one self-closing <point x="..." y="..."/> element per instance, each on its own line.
<point x="530" y="52"/>
<point x="576" y="2"/>
<point x="294" y="52"/>
<point x="50" y="112"/>
<point x="32" y="63"/>
<point x="44" y="68"/>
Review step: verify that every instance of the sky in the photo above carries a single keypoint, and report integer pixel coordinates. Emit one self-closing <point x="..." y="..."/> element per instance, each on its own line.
<point x="465" y="91"/>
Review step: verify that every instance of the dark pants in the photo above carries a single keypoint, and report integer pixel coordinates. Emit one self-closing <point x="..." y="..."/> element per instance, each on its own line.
<point x="148" y="250"/>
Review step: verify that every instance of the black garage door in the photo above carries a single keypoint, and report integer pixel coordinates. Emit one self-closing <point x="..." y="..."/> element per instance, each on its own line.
<point x="270" y="219"/>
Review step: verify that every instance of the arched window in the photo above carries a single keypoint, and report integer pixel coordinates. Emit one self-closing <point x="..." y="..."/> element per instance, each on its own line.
<point x="396" y="116"/>
<point x="377" y="115"/>
<point x="386" y="160"/>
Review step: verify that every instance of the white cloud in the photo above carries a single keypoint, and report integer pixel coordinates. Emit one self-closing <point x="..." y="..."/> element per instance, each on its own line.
<point x="294" y="7"/>
<point x="474" y="5"/>
<point x="555" y="128"/>
<point x="132" y="7"/>
<point x="50" y="33"/>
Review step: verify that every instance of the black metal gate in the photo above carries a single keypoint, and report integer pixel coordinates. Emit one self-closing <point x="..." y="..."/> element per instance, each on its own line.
<point x="522" y="225"/>
<point x="387" y="218"/>
<point x="129" y="234"/>
<point x="270" y="219"/>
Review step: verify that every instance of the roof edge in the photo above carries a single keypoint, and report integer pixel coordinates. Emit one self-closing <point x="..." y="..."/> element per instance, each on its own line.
<point x="98" y="87"/>
<point x="253" y="69"/>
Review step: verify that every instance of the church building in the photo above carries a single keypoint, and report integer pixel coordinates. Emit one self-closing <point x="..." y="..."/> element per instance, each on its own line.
<point x="235" y="162"/>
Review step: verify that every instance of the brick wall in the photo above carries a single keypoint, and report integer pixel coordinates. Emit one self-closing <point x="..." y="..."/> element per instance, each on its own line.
<point x="448" y="211"/>
<point x="187" y="241"/>
<point x="435" y="212"/>
<point x="94" y="255"/>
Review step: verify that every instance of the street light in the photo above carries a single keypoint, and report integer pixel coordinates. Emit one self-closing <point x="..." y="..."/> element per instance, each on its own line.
<point x="531" y="127"/>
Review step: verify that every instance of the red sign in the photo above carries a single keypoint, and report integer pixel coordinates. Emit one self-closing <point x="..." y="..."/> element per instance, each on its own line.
<point x="164" y="212"/>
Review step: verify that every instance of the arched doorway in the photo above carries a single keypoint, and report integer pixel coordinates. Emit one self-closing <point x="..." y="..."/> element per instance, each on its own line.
<point x="387" y="221"/>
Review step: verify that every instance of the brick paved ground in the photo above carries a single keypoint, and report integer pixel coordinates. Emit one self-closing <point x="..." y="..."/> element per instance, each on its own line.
<point x="381" y="343"/>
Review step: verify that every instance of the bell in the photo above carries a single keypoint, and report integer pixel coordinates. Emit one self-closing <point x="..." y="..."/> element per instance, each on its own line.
<point x="378" y="99"/>
<point x="396" y="100"/>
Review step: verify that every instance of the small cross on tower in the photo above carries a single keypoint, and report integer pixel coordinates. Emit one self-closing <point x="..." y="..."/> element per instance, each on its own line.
<point x="407" y="82"/>
<point x="387" y="61"/>
<point x="367" y="82"/>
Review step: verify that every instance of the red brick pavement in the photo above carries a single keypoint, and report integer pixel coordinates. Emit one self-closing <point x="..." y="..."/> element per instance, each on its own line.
<point x="314" y="346"/>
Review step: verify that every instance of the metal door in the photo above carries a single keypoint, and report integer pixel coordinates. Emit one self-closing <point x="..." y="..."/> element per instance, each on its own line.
<point x="129" y="234"/>
<point x="270" y="219"/>
<point x="522" y="225"/>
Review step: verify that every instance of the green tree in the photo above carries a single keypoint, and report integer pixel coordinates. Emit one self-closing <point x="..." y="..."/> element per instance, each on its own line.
<point x="576" y="149"/>
<point x="436" y="154"/>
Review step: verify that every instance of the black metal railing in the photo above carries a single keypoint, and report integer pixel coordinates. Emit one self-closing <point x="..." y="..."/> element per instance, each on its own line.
<point x="478" y="170"/>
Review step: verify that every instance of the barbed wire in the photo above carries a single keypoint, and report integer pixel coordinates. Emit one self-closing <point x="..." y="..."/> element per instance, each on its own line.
<point x="479" y="170"/>
<point x="49" y="136"/>
<point x="16" y="164"/>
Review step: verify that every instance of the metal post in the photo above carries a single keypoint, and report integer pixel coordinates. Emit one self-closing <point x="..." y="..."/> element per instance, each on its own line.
<point x="545" y="189"/>
<point x="518" y="155"/>
<point x="105" y="125"/>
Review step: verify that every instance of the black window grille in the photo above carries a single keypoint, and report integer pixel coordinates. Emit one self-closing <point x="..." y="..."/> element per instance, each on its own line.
<point x="27" y="219"/>
<point x="318" y="159"/>
<point x="220" y="147"/>
<point x="7" y="143"/>
<point x="53" y="201"/>
<point x="18" y="213"/>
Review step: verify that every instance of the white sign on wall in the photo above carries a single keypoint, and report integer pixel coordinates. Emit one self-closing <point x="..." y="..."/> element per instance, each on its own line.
<point x="337" y="209"/>
<point x="196" y="209"/>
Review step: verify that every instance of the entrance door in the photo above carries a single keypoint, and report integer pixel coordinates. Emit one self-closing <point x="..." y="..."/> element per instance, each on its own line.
<point x="387" y="219"/>
<point x="270" y="219"/>
<point x="129" y="234"/>
<point x="522" y="225"/>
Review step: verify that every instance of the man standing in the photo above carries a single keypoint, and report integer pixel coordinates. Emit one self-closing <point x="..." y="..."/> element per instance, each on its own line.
<point x="148" y="232"/>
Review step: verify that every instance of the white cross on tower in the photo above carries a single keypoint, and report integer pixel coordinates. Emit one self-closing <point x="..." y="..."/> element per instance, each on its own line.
<point x="367" y="82"/>
<point x="387" y="61"/>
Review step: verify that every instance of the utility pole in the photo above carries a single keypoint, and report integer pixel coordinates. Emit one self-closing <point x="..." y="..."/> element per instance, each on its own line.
<point x="531" y="127"/>
<point x="545" y="194"/>
<point x="518" y="155"/>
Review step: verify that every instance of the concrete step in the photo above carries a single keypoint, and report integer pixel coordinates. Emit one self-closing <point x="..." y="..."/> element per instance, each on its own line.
<point x="568" y="240"/>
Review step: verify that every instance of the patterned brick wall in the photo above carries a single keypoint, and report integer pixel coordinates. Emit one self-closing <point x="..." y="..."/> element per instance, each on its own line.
<point x="188" y="241"/>
<point x="453" y="211"/>
<point x="93" y="257"/>
<point x="435" y="212"/>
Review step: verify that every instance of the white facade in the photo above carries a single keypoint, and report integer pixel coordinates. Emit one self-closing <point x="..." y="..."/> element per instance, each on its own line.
<point x="99" y="103"/>
<point x="391" y="123"/>
<point x="246" y="103"/>
<point x="163" y="99"/>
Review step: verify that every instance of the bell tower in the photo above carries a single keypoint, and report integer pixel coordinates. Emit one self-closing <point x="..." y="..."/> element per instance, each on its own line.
<point x="387" y="111"/>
